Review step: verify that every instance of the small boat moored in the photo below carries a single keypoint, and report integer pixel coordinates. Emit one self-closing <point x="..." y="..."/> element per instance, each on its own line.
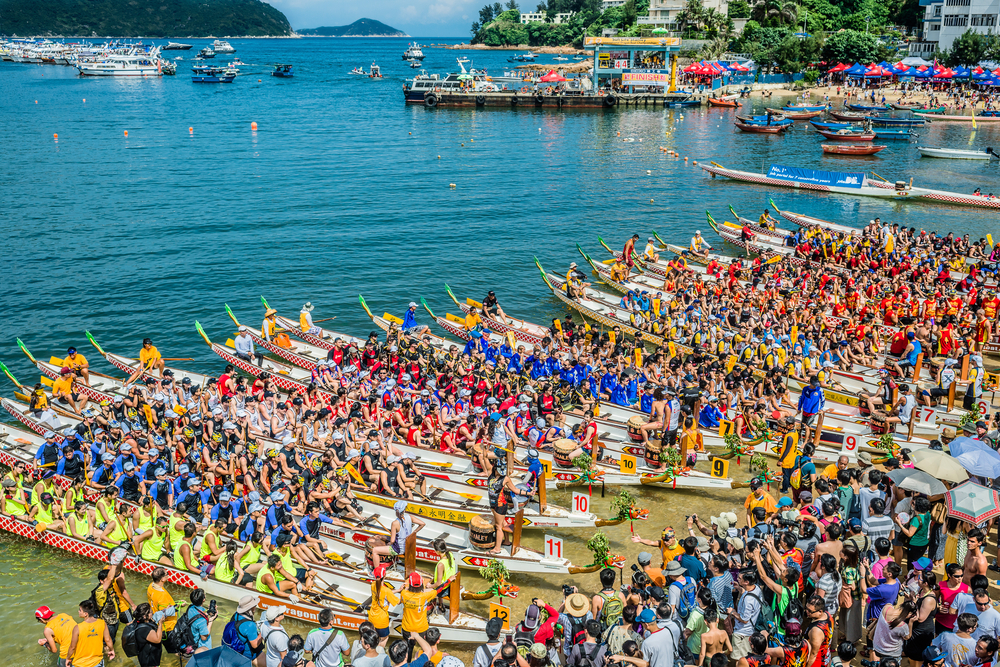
<point x="846" y="135"/>
<point x="956" y="154"/>
<point x="851" y="149"/>
<point x="721" y="102"/>
<point x="206" y="74"/>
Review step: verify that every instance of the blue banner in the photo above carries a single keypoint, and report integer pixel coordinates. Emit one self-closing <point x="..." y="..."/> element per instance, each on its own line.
<point x="832" y="178"/>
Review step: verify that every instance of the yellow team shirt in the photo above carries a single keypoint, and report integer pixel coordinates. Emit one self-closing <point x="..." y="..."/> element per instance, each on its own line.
<point x="830" y="472"/>
<point x="79" y="362"/>
<point x="767" y="501"/>
<point x="670" y="553"/>
<point x="472" y="320"/>
<point x="63" y="385"/>
<point x="378" y="613"/>
<point x="147" y="356"/>
<point x="159" y="600"/>
<point x="62" y="626"/>
<point x="90" y="644"/>
<point x="414" y="616"/>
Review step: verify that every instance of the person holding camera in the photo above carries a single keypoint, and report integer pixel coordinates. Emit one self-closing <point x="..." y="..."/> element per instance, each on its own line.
<point x="590" y="652"/>
<point x="747" y="610"/>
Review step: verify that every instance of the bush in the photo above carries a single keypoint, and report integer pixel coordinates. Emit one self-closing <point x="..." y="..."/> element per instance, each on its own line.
<point x="811" y="77"/>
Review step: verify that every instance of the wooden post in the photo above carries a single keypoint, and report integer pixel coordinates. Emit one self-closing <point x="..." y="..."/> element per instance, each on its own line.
<point x="515" y="543"/>
<point x="818" y="430"/>
<point x="951" y="396"/>
<point x="410" y="554"/>
<point x="510" y="456"/>
<point x="542" y="504"/>
<point x="965" y="368"/>
<point x="917" y="366"/>
<point x="454" y="595"/>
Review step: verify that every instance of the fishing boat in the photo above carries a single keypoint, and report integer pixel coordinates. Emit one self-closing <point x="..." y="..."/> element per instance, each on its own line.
<point x="852" y="149"/>
<point x="828" y="125"/>
<point x="719" y="102"/>
<point x="855" y="117"/>
<point x="283" y="71"/>
<point x="760" y="129"/>
<point x="796" y="114"/>
<point x="413" y="52"/>
<point x="206" y="74"/>
<point x="846" y="135"/>
<point x="805" y="107"/>
<point x="174" y="46"/>
<point x="865" y="107"/>
<point x="222" y="46"/>
<point x="956" y="154"/>
<point x="677" y="104"/>
<point x="904" y="107"/>
<point x="986" y="117"/>
<point x="885" y="121"/>
<point x="765" y="119"/>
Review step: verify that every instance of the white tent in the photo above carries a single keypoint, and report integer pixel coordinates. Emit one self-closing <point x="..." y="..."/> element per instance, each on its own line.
<point x="916" y="61"/>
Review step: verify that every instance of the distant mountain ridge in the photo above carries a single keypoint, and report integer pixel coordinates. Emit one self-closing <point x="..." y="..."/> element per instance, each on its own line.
<point x="360" y="28"/>
<point x="129" y="18"/>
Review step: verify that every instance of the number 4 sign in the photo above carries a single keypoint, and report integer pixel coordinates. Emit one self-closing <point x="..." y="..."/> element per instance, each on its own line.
<point x="581" y="502"/>
<point x="553" y="547"/>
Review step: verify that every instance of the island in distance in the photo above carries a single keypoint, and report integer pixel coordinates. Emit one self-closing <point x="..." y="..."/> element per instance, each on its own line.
<point x="360" y="28"/>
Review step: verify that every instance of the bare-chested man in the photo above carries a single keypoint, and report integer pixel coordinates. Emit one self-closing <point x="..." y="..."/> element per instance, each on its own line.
<point x="975" y="559"/>
<point x="656" y="414"/>
<point x="714" y="640"/>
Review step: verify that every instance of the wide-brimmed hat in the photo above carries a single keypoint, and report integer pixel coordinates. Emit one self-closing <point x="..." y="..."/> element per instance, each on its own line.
<point x="674" y="568"/>
<point x="269" y="312"/>
<point x="538" y="650"/>
<point x="577" y="605"/>
<point x="247" y="602"/>
<point x="308" y="307"/>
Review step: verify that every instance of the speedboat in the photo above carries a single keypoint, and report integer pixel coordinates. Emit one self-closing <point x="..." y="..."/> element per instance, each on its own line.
<point x="174" y="46"/>
<point x="209" y="74"/>
<point x="222" y="46"/>
<point x="956" y="154"/>
<point x="359" y="70"/>
<point x="206" y="52"/>
<point x="237" y="62"/>
<point x="375" y="72"/>
<point x="413" y="52"/>
<point x="560" y="58"/>
<point x="414" y="64"/>
<point x="284" y="71"/>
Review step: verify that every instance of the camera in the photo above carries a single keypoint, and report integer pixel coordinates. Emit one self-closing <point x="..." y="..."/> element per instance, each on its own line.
<point x="789" y="523"/>
<point x="567" y="590"/>
<point x="869" y="663"/>
<point x="212" y="608"/>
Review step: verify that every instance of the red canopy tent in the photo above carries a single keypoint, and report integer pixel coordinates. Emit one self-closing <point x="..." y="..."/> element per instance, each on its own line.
<point x="737" y="67"/>
<point x="876" y="70"/>
<point x="692" y="68"/>
<point x="900" y="66"/>
<point x="839" y="68"/>
<point x="553" y="77"/>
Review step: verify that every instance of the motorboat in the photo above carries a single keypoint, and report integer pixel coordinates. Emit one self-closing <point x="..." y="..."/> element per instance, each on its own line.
<point x="414" y="64"/>
<point x="852" y="149"/>
<point x="168" y="68"/>
<point x="360" y="71"/>
<point x="284" y="71"/>
<point x="417" y="88"/>
<point x="847" y="135"/>
<point x="174" y="46"/>
<point x="894" y="134"/>
<point x="560" y="58"/>
<point x="208" y="74"/>
<point x="222" y="46"/>
<point x="956" y="154"/>
<point x="206" y="52"/>
<point x="375" y="72"/>
<point x="522" y="58"/>
<point x="132" y="64"/>
<point x="237" y="62"/>
<point x="413" y="52"/>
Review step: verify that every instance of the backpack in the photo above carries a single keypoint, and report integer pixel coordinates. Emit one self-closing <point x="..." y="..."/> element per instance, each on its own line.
<point x="130" y="641"/>
<point x="765" y="621"/>
<point x="689" y="597"/>
<point x="181" y="638"/>
<point x="611" y="611"/>
<point x="106" y="603"/>
<point x="854" y="512"/>
<point x="686" y="657"/>
<point x="232" y="638"/>
<point x="588" y="660"/>
<point x="577" y="630"/>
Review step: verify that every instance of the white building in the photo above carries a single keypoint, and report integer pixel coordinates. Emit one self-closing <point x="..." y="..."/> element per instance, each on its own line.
<point x="540" y="17"/>
<point x="608" y="4"/>
<point x="663" y="13"/>
<point x="945" y="20"/>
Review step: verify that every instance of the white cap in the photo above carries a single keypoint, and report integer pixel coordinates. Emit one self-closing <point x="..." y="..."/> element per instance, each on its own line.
<point x="413" y="305"/>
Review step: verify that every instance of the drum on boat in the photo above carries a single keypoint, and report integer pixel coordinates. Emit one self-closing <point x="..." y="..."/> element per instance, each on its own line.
<point x="370" y="544"/>
<point x="482" y="532"/>
<point x="653" y="449"/>
<point x="635" y="423"/>
<point x="878" y="424"/>
<point x="561" y="451"/>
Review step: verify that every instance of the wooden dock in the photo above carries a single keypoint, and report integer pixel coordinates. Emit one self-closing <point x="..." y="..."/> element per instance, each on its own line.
<point x="530" y="99"/>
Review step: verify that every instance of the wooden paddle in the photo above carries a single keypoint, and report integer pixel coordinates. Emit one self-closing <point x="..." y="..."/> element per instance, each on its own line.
<point x="325" y="319"/>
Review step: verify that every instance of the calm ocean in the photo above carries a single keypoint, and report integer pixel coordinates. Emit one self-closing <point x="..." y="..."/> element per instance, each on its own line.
<point x="345" y="190"/>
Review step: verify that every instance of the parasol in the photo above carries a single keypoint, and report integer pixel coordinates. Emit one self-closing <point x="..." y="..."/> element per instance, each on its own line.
<point x="940" y="465"/>
<point x="972" y="502"/>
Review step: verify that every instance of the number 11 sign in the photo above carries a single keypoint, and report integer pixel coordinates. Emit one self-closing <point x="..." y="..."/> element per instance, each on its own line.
<point x="553" y="547"/>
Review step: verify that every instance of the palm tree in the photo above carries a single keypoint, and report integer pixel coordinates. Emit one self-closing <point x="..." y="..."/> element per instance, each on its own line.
<point x="713" y="50"/>
<point x="783" y="11"/>
<point x="692" y="16"/>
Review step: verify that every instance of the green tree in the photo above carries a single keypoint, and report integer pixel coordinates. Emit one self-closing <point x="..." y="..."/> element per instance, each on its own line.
<point x="512" y="4"/>
<point x="851" y="46"/>
<point x="629" y="14"/>
<point x="739" y="9"/>
<point x="475" y="28"/>
<point x="692" y="17"/>
<point x="969" y="49"/>
<point x="486" y="14"/>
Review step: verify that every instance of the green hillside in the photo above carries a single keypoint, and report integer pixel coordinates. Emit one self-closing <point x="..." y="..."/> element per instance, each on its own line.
<point x="131" y="18"/>
<point x="360" y="28"/>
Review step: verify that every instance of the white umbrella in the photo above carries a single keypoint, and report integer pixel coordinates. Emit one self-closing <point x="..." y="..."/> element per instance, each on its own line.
<point x="940" y="465"/>
<point x="924" y="483"/>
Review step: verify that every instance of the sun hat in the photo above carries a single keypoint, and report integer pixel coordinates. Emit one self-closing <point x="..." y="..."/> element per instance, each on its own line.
<point x="538" y="650"/>
<point x="674" y="568"/>
<point x="247" y="602"/>
<point x="722" y="523"/>
<point x="577" y="605"/>
<point x="274" y="612"/>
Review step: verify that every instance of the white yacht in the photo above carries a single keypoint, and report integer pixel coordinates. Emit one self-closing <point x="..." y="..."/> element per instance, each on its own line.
<point x="130" y="64"/>
<point x="222" y="46"/>
<point x="413" y="52"/>
<point x="174" y="46"/>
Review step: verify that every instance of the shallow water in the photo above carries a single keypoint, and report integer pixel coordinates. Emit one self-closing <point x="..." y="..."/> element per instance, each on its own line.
<point x="345" y="190"/>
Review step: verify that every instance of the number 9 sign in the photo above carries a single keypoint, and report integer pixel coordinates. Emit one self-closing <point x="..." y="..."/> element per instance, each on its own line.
<point x="720" y="468"/>
<point x="851" y="443"/>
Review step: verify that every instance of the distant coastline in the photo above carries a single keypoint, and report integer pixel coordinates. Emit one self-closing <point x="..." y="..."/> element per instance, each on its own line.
<point x="403" y="35"/>
<point x="361" y="28"/>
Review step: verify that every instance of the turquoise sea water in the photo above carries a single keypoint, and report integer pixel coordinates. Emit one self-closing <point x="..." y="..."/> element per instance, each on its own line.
<point x="342" y="191"/>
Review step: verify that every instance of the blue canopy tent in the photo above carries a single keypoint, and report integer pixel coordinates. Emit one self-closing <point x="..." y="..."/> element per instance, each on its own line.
<point x="856" y="71"/>
<point x="961" y="72"/>
<point x="222" y="656"/>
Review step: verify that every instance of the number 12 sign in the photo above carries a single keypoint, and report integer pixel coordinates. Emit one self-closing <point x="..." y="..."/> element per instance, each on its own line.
<point x="553" y="547"/>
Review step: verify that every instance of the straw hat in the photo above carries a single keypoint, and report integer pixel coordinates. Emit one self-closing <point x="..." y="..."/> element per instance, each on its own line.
<point x="270" y="311"/>
<point x="577" y="605"/>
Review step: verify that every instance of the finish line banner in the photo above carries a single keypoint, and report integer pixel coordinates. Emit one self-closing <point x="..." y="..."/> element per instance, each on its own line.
<point x="830" y="178"/>
<point x="656" y="77"/>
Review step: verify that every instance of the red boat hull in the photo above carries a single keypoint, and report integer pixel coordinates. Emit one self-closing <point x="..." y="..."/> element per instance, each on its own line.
<point x="852" y="149"/>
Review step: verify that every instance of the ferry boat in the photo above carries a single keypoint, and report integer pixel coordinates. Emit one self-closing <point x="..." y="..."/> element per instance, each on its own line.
<point x="132" y="64"/>
<point x="222" y="46"/>
<point x="174" y="46"/>
<point x="416" y="88"/>
<point x="413" y="52"/>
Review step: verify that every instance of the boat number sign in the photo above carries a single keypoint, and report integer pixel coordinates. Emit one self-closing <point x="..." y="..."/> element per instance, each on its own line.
<point x="626" y="464"/>
<point x="720" y="468"/>
<point x="498" y="610"/>
<point x="553" y="546"/>
<point x="581" y="502"/>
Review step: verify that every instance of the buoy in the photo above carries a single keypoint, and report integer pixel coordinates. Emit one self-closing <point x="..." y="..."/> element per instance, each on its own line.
<point x="685" y="159"/>
<point x="619" y="134"/>
<point x="472" y="140"/>
<point x="411" y="134"/>
<point x="36" y="101"/>
<point x="640" y="141"/>
<point x="650" y="200"/>
<point x="258" y="80"/>
<point x="648" y="172"/>
<point x="126" y="134"/>
<point x="84" y="100"/>
<point x="56" y="137"/>
<point x="253" y="126"/>
<point x="695" y="162"/>
<point x="439" y="157"/>
<point x="190" y="130"/>
<point x="451" y="185"/>
<point x="463" y="144"/>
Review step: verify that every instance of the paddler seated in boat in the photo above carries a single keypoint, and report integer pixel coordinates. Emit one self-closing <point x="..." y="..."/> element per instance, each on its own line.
<point x="78" y="363"/>
<point x="402" y="527"/>
<point x="575" y="284"/>
<point x="15" y="502"/>
<point x="272" y="581"/>
<point x="149" y="360"/>
<point x="245" y="348"/>
<point x="306" y="321"/>
<point x="698" y="245"/>
<point x="410" y="326"/>
<point x="63" y="392"/>
<point x="619" y="271"/>
<point x="650" y="254"/>
<point x="766" y="221"/>
<point x="492" y="309"/>
<point x="473" y="322"/>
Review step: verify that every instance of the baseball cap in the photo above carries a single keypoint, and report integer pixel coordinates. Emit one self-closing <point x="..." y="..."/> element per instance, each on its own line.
<point x="645" y="558"/>
<point x="647" y="616"/>
<point x="415" y="579"/>
<point x="43" y="613"/>
<point x="531" y="617"/>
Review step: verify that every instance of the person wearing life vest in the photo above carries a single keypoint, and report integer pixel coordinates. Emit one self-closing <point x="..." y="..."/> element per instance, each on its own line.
<point x="45" y="511"/>
<point x="305" y="319"/>
<point x="269" y="326"/>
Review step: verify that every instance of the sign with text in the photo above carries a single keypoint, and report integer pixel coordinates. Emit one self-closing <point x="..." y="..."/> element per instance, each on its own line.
<point x="502" y="612"/>
<point x="646" y="77"/>
<point x="631" y="41"/>
<point x="839" y="179"/>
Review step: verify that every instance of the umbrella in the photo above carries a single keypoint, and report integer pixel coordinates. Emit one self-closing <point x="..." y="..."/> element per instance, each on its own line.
<point x="972" y="502"/>
<point x="922" y="482"/>
<point x="940" y="465"/>
<point x="552" y="77"/>
<point x="660" y="31"/>
<point x="976" y="456"/>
